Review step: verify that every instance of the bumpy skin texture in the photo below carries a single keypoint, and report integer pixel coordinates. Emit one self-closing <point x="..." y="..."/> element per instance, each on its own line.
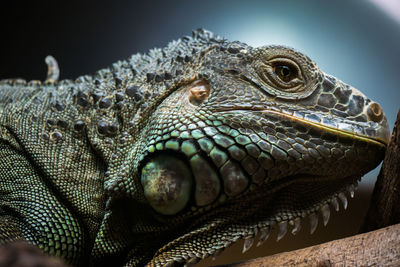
<point x="171" y="156"/>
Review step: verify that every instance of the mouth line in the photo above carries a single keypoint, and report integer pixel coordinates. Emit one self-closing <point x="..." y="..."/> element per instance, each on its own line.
<point x="337" y="131"/>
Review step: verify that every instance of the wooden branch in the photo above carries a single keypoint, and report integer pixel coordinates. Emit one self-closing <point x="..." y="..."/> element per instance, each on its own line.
<point x="384" y="208"/>
<point x="378" y="248"/>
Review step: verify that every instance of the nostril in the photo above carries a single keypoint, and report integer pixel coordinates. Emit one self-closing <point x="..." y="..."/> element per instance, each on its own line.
<point x="375" y="112"/>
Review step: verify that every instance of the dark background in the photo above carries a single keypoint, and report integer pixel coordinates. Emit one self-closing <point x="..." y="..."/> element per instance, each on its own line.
<point x="353" y="40"/>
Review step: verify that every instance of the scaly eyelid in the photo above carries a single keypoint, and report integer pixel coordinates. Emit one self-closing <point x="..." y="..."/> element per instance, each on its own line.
<point x="277" y="81"/>
<point x="285" y="61"/>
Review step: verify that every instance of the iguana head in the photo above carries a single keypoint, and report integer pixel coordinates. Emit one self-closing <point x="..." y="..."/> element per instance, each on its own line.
<point x="243" y="140"/>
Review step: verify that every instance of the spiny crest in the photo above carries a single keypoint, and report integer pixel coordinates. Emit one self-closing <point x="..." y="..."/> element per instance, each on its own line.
<point x="181" y="50"/>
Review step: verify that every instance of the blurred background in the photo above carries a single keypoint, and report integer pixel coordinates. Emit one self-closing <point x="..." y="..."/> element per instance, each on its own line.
<point x="356" y="41"/>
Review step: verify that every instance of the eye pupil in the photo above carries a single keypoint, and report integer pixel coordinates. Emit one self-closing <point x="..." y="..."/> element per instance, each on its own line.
<point x="285" y="73"/>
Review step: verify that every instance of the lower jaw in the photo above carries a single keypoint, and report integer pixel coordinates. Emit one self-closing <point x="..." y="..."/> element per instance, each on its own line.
<point x="281" y="207"/>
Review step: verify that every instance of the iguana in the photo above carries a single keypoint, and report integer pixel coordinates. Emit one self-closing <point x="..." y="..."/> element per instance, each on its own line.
<point x="169" y="157"/>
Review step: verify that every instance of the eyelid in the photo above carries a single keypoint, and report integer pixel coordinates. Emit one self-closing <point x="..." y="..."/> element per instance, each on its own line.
<point x="271" y="75"/>
<point x="285" y="61"/>
<point x="309" y="76"/>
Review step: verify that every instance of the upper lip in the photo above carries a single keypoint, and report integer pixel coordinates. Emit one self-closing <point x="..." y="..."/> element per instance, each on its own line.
<point x="383" y="139"/>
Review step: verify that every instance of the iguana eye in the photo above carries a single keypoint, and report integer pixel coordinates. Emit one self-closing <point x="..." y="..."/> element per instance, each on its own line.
<point x="285" y="72"/>
<point x="167" y="183"/>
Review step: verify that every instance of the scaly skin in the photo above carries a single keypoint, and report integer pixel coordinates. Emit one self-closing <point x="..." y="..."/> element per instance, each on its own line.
<point x="171" y="156"/>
